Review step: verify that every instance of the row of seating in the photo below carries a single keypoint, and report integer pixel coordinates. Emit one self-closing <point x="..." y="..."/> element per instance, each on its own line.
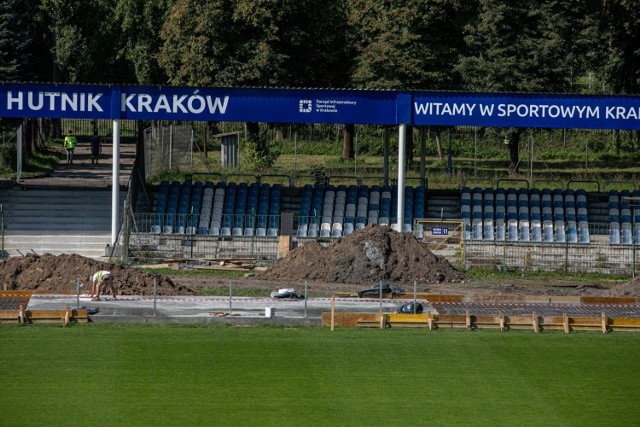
<point x="240" y="209"/>
<point x="545" y="215"/>
<point x="525" y="215"/>
<point x="621" y="217"/>
<point x="336" y="211"/>
<point x="222" y="209"/>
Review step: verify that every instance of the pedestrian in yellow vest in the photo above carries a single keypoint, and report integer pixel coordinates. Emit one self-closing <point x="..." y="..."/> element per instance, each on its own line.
<point x="70" y="143"/>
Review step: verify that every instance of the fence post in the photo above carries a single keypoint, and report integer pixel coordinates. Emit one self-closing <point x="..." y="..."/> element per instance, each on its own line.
<point x="155" y="292"/>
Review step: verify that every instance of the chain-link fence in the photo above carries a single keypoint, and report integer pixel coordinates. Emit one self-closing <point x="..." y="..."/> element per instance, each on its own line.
<point x="168" y="148"/>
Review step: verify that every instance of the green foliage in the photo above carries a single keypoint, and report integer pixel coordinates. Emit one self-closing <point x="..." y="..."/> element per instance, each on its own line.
<point x="13" y="41"/>
<point x="138" y="20"/>
<point x="223" y="42"/>
<point x="259" y="154"/>
<point x="620" y="28"/>
<point x="409" y="44"/>
<point x="319" y="174"/>
<point x="312" y="376"/>
<point x="169" y="175"/>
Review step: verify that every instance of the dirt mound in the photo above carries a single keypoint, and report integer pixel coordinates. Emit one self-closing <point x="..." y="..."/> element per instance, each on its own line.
<point x="60" y="272"/>
<point x="372" y="254"/>
<point x="630" y="289"/>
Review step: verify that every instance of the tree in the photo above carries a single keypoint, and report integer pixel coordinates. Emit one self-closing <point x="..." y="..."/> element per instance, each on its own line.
<point x="621" y="25"/>
<point x="271" y="43"/>
<point x="519" y="46"/>
<point x="14" y="40"/>
<point x="140" y="22"/>
<point x="409" y="44"/>
<point x="84" y="44"/>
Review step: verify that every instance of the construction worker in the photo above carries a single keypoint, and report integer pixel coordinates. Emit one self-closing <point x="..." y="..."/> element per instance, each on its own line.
<point x="99" y="279"/>
<point x="70" y="142"/>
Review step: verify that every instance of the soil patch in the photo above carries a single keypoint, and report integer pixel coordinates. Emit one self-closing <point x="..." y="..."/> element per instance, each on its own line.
<point x="630" y="289"/>
<point x="60" y="272"/>
<point x="366" y="257"/>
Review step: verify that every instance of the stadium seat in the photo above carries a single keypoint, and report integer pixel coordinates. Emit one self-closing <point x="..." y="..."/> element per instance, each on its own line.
<point x="488" y="223"/>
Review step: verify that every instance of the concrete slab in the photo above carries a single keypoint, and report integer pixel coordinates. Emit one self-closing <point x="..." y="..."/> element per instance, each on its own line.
<point x="238" y="310"/>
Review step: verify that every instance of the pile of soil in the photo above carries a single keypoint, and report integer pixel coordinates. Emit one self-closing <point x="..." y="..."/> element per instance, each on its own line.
<point x="60" y="272"/>
<point x="630" y="289"/>
<point x="367" y="256"/>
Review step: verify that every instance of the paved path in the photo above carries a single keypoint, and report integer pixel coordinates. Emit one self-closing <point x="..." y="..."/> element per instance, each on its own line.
<point x="83" y="174"/>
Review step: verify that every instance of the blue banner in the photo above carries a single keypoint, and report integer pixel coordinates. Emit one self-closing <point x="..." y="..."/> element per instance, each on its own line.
<point x="259" y="105"/>
<point x="55" y="101"/>
<point x="319" y="106"/>
<point x="526" y="110"/>
<point x="199" y="104"/>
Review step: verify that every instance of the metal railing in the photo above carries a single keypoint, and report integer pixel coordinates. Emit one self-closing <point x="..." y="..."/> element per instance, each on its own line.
<point x="228" y="225"/>
<point x="568" y="258"/>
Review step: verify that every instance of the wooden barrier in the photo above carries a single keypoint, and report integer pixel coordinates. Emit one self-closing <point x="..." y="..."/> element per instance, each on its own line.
<point x="22" y="316"/>
<point x="502" y="322"/>
<point x="64" y="316"/>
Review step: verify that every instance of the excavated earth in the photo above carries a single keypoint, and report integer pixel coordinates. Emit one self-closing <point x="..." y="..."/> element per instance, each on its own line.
<point x="360" y="261"/>
<point x="60" y="273"/>
<point x="368" y="256"/>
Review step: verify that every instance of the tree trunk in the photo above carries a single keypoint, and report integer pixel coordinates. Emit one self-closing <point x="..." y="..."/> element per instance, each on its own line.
<point x="33" y="137"/>
<point x="514" y="151"/>
<point x="347" y="144"/>
<point x="253" y="131"/>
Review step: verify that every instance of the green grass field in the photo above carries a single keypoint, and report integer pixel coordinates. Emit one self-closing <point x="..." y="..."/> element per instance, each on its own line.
<point x="132" y="375"/>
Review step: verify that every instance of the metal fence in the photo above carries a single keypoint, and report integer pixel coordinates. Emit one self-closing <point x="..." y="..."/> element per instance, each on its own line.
<point x="87" y="127"/>
<point x="156" y="247"/>
<point x="228" y="225"/>
<point x="181" y="237"/>
<point x="593" y="258"/>
<point x="168" y="148"/>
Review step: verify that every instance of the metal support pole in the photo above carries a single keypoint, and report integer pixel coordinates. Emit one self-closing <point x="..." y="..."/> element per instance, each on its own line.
<point x="385" y="155"/>
<point x="381" y="296"/>
<point x="423" y="157"/>
<point x="414" y="297"/>
<point x="78" y="293"/>
<point x="633" y="239"/>
<point x="633" y="203"/>
<point x="450" y="157"/>
<point x="155" y="294"/>
<point x="115" y="182"/>
<point x="402" y="142"/>
<point x="19" y="154"/>
<point x="306" y="296"/>
<point x="230" y="296"/>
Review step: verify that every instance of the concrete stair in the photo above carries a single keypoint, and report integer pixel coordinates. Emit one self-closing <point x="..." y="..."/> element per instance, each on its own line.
<point x="57" y="221"/>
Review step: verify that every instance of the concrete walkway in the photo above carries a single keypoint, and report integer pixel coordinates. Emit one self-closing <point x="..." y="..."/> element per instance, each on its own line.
<point x="203" y="309"/>
<point x="83" y="174"/>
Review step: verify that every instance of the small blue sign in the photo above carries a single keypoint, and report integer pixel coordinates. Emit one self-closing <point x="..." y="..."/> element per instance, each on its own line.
<point x="440" y="231"/>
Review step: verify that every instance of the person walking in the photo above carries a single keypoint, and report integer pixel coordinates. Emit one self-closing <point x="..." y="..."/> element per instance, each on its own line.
<point x="70" y="142"/>
<point x="96" y="148"/>
<point x="100" y="279"/>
